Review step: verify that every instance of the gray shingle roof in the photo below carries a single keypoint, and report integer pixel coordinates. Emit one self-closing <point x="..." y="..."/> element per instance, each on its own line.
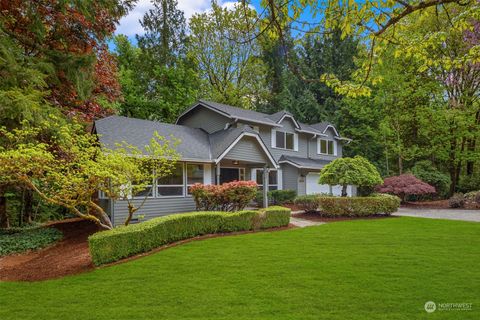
<point x="307" y="163"/>
<point x="322" y="126"/>
<point x="238" y="113"/>
<point x="194" y="143"/>
<point x="278" y="115"/>
<point x="221" y="140"/>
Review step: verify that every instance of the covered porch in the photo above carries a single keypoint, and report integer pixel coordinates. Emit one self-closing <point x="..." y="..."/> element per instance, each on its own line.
<point x="246" y="158"/>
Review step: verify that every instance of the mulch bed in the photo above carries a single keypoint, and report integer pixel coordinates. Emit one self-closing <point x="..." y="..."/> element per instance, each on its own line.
<point x="71" y="255"/>
<point x="316" y="216"/>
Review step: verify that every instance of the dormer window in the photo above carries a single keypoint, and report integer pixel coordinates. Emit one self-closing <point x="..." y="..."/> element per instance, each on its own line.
<point x="284" y="140"/>
<point x="327" y="147"/>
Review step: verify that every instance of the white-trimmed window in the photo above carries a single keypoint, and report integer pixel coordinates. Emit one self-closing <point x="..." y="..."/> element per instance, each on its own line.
<point x="195" y="174"/>
<point x="272" y="179"/>
<point x="172" y="185"/>
<point x="326" y="146"/>
<point x="147" y="192"/>
<point x="284" y="140"/>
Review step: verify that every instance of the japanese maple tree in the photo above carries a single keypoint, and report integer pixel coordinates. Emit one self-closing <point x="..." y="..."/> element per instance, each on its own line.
<point x="404" y="185"/>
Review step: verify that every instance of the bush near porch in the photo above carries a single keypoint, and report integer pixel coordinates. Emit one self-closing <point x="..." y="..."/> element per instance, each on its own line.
<point x="349" y="206"/>
<point x="112" y="245"/>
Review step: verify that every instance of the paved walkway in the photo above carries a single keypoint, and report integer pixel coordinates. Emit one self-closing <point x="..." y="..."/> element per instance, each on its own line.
<point x="302" y="223"/>
<point x="450" y="214"/>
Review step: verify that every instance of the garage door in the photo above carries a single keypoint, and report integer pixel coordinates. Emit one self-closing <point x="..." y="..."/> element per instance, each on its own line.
<point x="313" y="187"/>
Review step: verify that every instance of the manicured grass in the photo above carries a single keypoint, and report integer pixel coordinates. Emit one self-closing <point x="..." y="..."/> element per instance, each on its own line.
<point x="368" y="269"/>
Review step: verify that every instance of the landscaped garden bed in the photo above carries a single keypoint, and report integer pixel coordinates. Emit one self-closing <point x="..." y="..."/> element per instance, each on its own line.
<point x="17" y="240"/>
<point x="122" y="242"/>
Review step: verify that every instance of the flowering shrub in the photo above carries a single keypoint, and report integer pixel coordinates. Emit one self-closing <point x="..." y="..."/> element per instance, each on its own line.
<point x="457" y="201"/>
<point x="230" y="196"/>
<point x="404" y="185"/>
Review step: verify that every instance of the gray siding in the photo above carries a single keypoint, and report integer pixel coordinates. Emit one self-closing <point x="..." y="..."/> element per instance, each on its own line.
<point x="205" y="119"/>
<point x="247" y="149"/>
<point x="153" y="208"/>
<point x="290" y="177"/>
<point x="312" y="149"/>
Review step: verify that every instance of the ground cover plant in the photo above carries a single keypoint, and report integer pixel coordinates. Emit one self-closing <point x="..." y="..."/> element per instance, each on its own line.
<point x="375" y="269"/>
<point x="19" y="240"/>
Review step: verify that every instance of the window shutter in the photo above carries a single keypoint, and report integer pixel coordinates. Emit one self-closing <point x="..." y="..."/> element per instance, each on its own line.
<point x="335" y="148"/>
<point x="295" y="142"/>
<point x="207" y="174"/>
<point x="274" y="138"/>
<point x="318" y="145"/>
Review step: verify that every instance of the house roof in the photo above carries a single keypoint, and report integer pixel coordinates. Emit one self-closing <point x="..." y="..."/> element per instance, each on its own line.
<point x="323" y="126"/>
<point x="303" y="163"/>
<point x="233" y="113"/>
<point x="194" y="143"/>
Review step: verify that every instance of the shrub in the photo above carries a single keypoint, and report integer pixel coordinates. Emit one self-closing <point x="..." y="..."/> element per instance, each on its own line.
<point x="308" y="203"/>
<point x="359" y="206"/>
<point x="404" y="185"/>
<point x="356" y="171"/>
<point x="426" y="171"/>
<point x="20" y="240"/>
<point x="277" y="196"/>
<point x="457" y="201"/>
<point x="469" y="183"/>
<point x="231" y="196"/>
<point x="124" y="241"/>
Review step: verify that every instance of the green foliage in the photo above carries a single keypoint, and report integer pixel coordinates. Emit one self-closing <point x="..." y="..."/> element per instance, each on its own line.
<point x="20" y="240"/>
<point x="356" y="171"/>
<point x="282" y="196"/>
<point x="359" y="206"/>
<point x="277" y="196"/>
<point x="228" y="59"/>
<point x="308" y="203"/>
<point x="122" y="242"/>
<point x="426" y="171"/>
<point x="469" y="183"/>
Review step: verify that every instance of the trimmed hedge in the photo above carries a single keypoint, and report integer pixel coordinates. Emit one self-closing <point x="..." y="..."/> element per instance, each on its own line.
<point x="359" y="206"/>
<point x="112" y="245"/>
<point x="277" y="197"/>
<point x="308" y="203"/>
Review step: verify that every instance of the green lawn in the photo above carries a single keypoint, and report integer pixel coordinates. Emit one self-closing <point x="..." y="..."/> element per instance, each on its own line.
<point x="366" y="269"/>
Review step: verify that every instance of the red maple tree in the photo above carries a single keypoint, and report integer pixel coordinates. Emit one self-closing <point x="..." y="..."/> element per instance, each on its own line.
<point x="404" y="185"/>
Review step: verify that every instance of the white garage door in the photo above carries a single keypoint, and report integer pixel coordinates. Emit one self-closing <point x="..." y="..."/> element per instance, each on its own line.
<point x="313" y="187"/>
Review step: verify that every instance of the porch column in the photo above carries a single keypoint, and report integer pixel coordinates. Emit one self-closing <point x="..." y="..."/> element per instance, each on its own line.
<point x="217" y="172"/>
<point x="265" y="186"/>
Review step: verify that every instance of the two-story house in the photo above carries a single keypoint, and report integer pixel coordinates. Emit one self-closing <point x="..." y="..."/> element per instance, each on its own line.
<point x="221" y="143"/>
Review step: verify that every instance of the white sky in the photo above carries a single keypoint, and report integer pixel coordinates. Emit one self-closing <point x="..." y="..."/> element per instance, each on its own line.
<point x="129" y="25"/>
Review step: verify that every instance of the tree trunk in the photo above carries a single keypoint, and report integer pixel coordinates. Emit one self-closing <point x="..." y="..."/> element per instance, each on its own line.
<point x="4" y="222"/>
<point x="400" y="165"/>
<point x="27" y="205"/>
<point x="344" y="190"/>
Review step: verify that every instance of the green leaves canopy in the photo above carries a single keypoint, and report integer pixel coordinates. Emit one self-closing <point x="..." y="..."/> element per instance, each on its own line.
<point x="356" y="171"/>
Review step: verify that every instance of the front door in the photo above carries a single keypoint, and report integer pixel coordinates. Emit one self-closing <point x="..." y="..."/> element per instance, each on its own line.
<point x="229" y="174"/>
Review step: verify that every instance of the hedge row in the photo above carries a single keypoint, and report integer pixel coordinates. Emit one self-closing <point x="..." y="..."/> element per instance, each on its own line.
<point x="359" y="206"/>
<point x="349" y="206"/>
<point x="112" y="245"/>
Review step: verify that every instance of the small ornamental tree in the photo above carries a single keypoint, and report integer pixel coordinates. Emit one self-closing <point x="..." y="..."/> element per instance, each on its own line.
<point x="70" y="168"/>
<point x="356" y="171"/>
<point x="404" y="185"/>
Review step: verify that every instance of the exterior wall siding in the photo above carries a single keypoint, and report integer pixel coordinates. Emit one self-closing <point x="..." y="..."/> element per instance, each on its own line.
<point x="247" y="149"/>
<point x="205" y="119"/>
<point x="290" y="177"/>
<point x="153" y="208"/>
<point x="312" y="149"/>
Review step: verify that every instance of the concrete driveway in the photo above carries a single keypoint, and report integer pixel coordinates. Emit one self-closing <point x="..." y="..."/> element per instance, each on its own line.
<point x="450" y="214"/>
